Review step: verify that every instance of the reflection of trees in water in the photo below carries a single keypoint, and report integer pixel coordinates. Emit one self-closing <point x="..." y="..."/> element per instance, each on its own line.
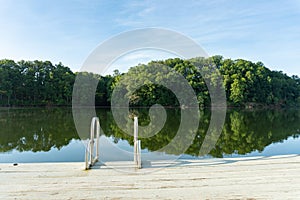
<point x="152" y="143"/>
<point x="244" y="131"/>
<point x="247" y="131"/>
<point x="35" y="129"/>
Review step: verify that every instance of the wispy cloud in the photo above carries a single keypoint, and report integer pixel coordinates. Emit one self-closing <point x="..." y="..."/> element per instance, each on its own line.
<point x="134" y="58"/>
<point x="69" y="31"/>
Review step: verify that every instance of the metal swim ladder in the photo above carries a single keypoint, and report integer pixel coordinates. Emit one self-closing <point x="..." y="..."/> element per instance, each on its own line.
<point x="92" y="154"/>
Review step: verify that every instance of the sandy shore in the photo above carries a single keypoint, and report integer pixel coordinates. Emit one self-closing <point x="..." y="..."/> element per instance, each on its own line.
<point x="232" y="178"/>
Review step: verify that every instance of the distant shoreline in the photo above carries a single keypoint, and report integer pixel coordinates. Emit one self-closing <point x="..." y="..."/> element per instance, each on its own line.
<point x="166" y="107"/>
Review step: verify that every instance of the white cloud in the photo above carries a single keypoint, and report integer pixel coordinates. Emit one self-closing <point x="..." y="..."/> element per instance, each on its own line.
<point x="68" y="32"/>
<point x="134" y="58"/>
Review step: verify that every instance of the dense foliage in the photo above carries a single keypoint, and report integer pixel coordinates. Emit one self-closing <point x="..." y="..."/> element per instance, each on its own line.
<point x="37" y="83"/>
<point x="246" y="83"/>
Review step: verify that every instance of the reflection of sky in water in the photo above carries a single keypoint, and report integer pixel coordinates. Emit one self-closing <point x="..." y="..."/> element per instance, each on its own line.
<point x="110" y="151"/>
<point x="122" y="151"/>
<point x="289" y="146"/>
<point x="74" y="151"/>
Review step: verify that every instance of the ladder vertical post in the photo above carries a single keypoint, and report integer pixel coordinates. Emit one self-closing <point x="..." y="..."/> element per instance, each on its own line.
<point x="139" y="157"/>
<point x="91" y="145"/>
<point x="87" y="165"/>
<point x="135" y="138"/>
<point x="97" y="139"/>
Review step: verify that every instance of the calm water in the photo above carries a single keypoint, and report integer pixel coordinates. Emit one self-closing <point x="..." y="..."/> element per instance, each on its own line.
<point x="49" y="135"/>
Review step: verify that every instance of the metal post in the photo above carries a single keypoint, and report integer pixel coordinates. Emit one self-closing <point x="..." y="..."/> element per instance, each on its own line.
<point x="91" y="157"/>
<point x="139" y="157"/>
<point x="91" y="142"/>
<point x="135" y="138"/>
<point x="97" y="139"/>
<point x="87" y="165"/>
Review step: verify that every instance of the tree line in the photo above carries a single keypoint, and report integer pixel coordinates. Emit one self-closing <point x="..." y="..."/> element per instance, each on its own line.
<point x="35" y="83"/>
<point x="41" y="83"/>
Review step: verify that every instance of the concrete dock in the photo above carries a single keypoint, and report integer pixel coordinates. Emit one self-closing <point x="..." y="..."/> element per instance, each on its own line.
<point x="232" y="178"/>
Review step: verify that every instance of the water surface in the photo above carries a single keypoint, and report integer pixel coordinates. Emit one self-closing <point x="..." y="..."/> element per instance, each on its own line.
<point x="49" y="135"/>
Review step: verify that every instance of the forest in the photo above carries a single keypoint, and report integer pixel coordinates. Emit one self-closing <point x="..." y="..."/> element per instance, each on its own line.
<point x="247" y="84"/>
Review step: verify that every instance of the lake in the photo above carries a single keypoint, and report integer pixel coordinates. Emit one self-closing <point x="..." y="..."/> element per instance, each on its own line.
<point x="49" y="135"/>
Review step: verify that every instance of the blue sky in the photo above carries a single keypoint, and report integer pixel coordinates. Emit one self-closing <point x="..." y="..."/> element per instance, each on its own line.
<point x="67" y="31"/>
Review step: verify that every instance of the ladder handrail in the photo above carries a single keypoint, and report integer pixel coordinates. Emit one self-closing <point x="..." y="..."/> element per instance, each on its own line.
<point x="137" y="145"/>
<point x="90" y="158"/>
<point x="92" y="155"/>
<point x="139" y="156"/>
